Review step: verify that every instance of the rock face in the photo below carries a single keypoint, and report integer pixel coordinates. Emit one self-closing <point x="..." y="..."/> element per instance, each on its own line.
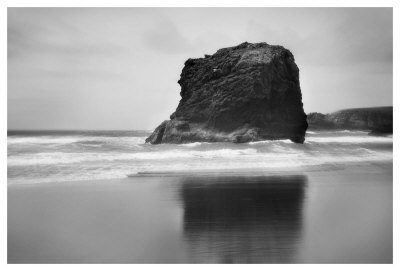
<point x="375" y="119"/>
<point x="245" y="93"/>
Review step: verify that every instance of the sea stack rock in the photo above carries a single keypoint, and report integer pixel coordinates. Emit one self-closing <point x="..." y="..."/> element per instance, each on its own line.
<point x="245" y="93"/>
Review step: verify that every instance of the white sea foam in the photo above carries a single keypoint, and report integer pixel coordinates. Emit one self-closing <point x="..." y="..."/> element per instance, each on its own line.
<point x="44" y="140"/>
<point x="270" y="142"/>
<point x="49" y="158"/>
<point x="194" y="144"/>
<point x="55" y="158"/>
<point x="349" y="139"/>
<point x="352" y="132"/>
<point x="73" y="139"/>
<point x="280" y="154"/>
<point x="261" y="161"/>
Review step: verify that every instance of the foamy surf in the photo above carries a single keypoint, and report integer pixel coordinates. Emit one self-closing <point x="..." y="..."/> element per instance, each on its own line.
<point x="350" y="139"/>
<point x="91" y="156"/>
<point x="270" y="142"/>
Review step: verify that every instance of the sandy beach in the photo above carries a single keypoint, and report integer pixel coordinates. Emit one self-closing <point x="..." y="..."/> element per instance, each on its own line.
<point x="293" y="217"/>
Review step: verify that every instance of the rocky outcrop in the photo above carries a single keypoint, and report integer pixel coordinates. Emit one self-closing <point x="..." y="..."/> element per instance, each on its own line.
<point x="245" y="93"/>
<point x="319" y="121"/>
<point x="374" y="119"/>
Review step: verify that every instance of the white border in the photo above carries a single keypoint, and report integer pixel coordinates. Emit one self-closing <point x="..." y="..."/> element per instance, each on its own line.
<point x="186" y="3"/>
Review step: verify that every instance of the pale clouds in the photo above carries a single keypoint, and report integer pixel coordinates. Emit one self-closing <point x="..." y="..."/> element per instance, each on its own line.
<point x="114" y="68"/>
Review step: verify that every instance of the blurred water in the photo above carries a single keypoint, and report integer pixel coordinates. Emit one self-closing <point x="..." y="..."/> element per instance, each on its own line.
<point x="54" y="156"/>
<point x="342" y="216"/>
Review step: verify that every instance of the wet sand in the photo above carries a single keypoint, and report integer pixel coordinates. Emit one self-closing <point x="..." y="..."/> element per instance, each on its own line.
<point x="337" y="216"/>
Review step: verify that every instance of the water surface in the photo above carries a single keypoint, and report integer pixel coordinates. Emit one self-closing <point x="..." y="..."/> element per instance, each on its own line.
<point x="341" y="216"/>
<point x="58" y="156"/>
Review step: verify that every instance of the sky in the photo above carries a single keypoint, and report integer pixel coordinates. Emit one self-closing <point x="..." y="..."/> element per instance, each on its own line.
<point x="117" y="68"/>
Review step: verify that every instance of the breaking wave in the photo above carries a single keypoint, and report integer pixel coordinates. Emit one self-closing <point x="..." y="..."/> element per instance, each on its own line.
<point x="91" y="156"/>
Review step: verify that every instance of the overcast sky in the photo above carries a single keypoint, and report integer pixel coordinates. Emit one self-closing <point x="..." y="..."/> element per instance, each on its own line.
<point x="117" y="68"/>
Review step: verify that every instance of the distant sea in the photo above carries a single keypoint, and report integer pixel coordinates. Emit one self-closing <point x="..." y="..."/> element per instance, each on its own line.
<point x="59" y="156"/>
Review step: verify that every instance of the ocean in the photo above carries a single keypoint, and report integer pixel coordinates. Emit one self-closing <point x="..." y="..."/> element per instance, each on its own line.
<point x="59" y="156"/>
<point x="70" y="199"/>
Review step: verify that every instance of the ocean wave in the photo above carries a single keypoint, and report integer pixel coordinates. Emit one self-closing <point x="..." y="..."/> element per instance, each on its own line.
<point x="257" y="162"/>
<point x="278" y="153"/>
<point x="194" y="144"/>
<point x="77" y="140"/>
<point x="68" y="157"/>
<point x="79" y="157"/>
<point x="349" y="139"/>
<point x="43" y="140"/>
<point x="270" y="142"/>
<point x="352" y="131"/>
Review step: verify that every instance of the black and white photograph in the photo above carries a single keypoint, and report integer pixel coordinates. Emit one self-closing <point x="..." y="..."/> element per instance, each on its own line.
<point x="199" y="135"/>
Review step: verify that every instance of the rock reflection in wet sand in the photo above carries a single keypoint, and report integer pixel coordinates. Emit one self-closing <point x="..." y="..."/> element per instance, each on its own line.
<point x="243" y="219"/>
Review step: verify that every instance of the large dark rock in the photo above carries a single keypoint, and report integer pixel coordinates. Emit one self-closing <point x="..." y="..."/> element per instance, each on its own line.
<point x="374" y="119"/>
<point x="245" y="93"/>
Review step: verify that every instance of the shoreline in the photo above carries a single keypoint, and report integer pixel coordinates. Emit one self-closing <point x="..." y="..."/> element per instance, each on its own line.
<point x="349" y="167"/>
